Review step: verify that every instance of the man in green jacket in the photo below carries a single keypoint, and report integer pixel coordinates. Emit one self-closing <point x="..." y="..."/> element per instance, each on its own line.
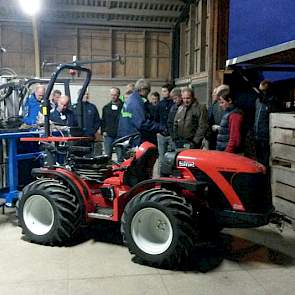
<point x="190" y="122"/>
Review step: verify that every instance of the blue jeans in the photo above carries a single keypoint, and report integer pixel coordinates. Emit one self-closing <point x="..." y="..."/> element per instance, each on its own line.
<point x="108" y="141"/>
<point x="108" y="150"/>
<point x="164" y="142"/>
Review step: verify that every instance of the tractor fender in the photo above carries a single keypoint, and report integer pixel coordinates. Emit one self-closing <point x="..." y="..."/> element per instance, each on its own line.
<point x="190" y="185"/>
<point x="76" y="184"/>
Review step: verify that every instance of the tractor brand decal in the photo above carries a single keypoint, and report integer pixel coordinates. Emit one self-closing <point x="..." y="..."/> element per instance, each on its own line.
<point x="182" y="163"/>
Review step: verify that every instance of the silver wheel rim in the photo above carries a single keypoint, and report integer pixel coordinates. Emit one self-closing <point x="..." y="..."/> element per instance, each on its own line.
<point x="38" y="215"/>
<point x="151" y="231"/>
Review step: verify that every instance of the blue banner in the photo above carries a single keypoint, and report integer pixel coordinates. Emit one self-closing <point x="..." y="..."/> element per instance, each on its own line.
<point x="256" y="25"/>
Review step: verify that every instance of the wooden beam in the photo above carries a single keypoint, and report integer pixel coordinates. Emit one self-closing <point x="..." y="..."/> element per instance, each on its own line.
<point x="115" y="23"/>
<point x="1" y="53"/>
<point x="111" y="53"/>
<point x="144" y="54"/>
<point x="174" y="2"/>
<point x="158" y="26"/>
<point x="102" y="25"/>
<point x="36" y="47"/>
<point x="117" y="11"/>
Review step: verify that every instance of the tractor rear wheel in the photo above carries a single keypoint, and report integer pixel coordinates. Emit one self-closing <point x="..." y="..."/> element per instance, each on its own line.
<point x="48" y="212"/>
<point x="157" y="227"/>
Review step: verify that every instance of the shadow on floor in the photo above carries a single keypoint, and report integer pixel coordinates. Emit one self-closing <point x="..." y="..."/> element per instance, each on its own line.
<point x="102" y="231"/>
<point x="244" y="251"/>
<point x="265" y="247"/>
<point x="240" y="250"/>
<point x="208" y="255"/>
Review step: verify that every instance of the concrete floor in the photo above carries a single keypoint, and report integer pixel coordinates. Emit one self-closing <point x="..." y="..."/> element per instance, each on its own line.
<point x="257" y="261"/>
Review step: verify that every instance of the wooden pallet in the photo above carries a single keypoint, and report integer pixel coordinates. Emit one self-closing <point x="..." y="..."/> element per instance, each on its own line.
<point x="282" y="140"/>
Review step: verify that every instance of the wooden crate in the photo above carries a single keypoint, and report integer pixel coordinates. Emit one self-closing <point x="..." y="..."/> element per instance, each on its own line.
<point x="283" y="189"/>
<point x="282" y="140"/>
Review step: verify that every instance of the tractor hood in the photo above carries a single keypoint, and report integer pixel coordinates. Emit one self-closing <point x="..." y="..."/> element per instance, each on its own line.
<point x="219" y="161"/>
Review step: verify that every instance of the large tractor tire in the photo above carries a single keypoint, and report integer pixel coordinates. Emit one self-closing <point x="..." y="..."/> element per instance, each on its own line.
<point x="158" y="228"/>
<point x="48" y="212"/>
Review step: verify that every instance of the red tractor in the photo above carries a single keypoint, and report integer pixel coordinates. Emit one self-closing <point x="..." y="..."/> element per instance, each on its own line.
<point x="162" y="219"/>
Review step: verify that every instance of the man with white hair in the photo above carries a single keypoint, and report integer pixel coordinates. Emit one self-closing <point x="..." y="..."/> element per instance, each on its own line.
<point x="133" y="117"/>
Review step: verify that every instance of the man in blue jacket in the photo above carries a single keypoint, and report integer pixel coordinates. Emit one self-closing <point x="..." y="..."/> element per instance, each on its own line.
<point x="133" y="117"/>
<point x="33" y="105"/>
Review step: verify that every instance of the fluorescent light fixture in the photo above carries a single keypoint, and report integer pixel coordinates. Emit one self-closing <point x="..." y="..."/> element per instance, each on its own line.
<point x="30" y="7"/>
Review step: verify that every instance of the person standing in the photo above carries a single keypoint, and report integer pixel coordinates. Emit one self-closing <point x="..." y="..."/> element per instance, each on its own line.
<point x="266" y="103"/>
<point x="161" y="116"/>
<point x="229" y="138"/>
<point x="62" y="114"/>
<point x="215" y="114"/>
<point x="154" y="101"/>
<point x="129" y="90"/>
<point x="33" y="106"/>
<point x="133" y="116"/>
<point x="91" y="116"/>
<point x="175" y="95"/>
<point x="110" y="118"/>
<point x="190" y="122"/>
<point x="56" y="94"/>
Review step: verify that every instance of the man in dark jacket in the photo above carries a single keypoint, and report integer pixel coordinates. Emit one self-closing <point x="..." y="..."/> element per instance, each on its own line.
<point x="154" y="101"/>
<point x="161" y="116"/>
<point x="110" y="118"/>
<point x="265" y="105"/>
<point x="175" y="95"/>
<point x="91" y="118"/>
<point x="62" y="115"/>
<point x="133" y="117"/>
<point x="190" y="122"/>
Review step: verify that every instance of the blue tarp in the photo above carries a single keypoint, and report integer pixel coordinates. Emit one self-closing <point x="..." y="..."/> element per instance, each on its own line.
<point x="256" y="25"/>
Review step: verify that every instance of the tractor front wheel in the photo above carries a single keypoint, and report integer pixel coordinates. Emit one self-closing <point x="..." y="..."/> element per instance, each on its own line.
<point x="157" y="227"/>
<point x="48" y="212"/>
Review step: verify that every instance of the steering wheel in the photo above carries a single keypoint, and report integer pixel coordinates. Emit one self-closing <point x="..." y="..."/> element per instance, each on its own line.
<point x="128" y="139"/>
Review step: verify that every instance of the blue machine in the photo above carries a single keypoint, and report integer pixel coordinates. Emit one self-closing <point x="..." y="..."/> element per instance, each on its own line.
<point x="9" y="193"/>
<point x="14" y="93"/>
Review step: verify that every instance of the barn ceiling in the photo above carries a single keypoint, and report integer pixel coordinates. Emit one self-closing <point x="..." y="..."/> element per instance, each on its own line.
<point x="141" y="13"/>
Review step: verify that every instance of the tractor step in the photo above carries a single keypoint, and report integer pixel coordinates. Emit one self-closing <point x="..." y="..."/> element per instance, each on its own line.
<point x="102" y="213"/>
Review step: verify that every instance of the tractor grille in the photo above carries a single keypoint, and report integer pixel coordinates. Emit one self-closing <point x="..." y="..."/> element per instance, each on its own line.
<point x="214" y="195"/>
<point x="252" y="189"/>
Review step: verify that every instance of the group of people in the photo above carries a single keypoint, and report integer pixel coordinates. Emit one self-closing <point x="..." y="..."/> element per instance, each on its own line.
<point x="61" y="111"/>
<point x="174" y="119"/>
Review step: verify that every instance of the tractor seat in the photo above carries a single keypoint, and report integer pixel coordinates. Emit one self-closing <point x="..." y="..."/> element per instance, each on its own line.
<point x="97" y="160"/>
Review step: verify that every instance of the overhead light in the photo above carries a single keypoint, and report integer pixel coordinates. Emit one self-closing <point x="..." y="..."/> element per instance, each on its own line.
<point x="30" y="7"/>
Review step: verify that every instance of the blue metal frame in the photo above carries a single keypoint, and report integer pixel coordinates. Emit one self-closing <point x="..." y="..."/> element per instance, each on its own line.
<point x="13" y="157"/>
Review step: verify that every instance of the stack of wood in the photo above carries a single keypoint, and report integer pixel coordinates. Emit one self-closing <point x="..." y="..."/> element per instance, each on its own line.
<point x="282" y="139"/>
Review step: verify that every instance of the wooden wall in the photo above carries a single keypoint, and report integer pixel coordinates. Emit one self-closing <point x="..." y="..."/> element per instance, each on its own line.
<point x="18" y="41"/>
<point x="203" y="46"/>
<point x="147" y="53"/>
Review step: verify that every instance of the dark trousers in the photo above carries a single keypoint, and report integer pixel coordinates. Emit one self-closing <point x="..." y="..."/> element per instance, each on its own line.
<point x="262" y="152"/>
<point x="262" y="156"/>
